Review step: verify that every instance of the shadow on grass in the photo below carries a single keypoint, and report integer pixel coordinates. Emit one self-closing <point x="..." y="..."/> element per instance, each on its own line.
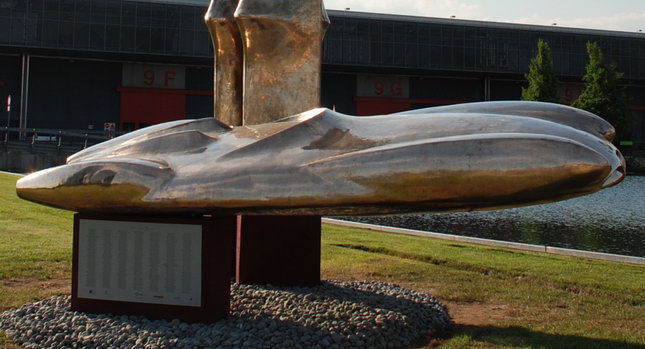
<point x="462" y="336"/>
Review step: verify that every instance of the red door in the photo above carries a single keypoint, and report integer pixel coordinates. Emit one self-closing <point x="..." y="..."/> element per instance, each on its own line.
<point x="141" y="107"/>
<point x="380" y="106"/>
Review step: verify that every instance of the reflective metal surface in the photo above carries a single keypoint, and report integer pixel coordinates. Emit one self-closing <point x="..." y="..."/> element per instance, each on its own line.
<point x="562" y="114"/>
<point x="322" y="162"/>
<point x="227" y="44"/>
<point x="464" y="157"/>
<point x="268" y="55"/>
<point x="282" y="57"/>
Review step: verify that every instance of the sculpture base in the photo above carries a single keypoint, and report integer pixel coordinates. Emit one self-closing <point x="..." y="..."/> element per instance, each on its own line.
<point x="278" y="250"/>
<point x="161" y="268"/>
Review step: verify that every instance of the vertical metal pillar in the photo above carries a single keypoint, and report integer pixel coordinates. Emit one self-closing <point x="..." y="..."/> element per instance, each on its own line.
<point x="8" y="112"/>
<point x="24" y="93"/>
<point x="487" y="88"/>
<point x="282" y="57"/>
<point x="228" y="78"/>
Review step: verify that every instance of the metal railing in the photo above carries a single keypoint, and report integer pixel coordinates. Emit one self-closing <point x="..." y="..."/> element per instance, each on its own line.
<point x="51" y="140"/>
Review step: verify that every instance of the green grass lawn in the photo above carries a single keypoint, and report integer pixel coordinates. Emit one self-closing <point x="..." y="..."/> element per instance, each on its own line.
<point x="35" y="244"/>
<point x="548" y="300"/>
<point x="551" y="301"/>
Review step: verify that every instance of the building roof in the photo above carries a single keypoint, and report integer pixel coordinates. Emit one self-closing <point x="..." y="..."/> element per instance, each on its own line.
<point x="173" y="30"/>
<point x="178" y="2"/>
<point x="449" y="21"/>
<point x="486" y="24"/>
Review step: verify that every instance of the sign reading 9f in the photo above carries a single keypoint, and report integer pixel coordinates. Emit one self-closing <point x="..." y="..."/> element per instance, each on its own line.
<point x="569" y="92"/>
<point x="154" y="76"/>
<point x="383" y="86"/>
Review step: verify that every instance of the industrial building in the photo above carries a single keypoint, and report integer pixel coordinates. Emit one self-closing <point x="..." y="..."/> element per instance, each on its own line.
<point x="91" y="64"/>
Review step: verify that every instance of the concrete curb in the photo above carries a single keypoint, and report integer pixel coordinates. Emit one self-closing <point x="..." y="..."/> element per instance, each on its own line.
<point x="488" y="242"/>
<point x="13" y="174"/>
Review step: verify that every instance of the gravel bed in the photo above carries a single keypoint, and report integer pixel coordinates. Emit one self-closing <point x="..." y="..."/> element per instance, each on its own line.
<point x="335" y="314"/>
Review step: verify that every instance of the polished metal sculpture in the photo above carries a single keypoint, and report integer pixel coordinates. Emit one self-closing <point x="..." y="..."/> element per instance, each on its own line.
<point x="322" y="162"/>
<point x="282" y="57"/>
<point x="268" y="55"/>
<point x="228" y="79"/>
<point x="319" y="162"/>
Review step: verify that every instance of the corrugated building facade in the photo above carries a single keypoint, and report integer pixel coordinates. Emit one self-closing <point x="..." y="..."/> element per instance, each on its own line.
<point x="80" y="64"/>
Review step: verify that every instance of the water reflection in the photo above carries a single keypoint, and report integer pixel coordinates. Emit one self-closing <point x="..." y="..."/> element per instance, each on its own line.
<point x="612" y="221"/>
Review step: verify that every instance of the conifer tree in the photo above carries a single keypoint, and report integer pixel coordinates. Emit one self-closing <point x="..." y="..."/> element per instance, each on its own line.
<point x="602" y="96"/>
<point x="542" y="80"/>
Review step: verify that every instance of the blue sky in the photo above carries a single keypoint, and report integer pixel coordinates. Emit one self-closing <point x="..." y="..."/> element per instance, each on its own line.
<point x="623" y="15"/>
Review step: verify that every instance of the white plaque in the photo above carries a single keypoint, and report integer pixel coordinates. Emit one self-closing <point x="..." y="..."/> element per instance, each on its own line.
<point x="140" y="262"/>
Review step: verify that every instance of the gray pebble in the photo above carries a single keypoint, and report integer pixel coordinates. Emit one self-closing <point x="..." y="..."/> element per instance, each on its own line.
<point x="335" y="314"/>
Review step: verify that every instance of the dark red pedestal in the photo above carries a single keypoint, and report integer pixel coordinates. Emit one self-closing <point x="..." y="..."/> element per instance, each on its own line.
<point x="278" y="250"/>
<point x="218" y="236"/>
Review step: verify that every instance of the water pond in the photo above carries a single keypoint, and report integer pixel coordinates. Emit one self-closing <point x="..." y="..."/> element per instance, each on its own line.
<point x="611" y="220"/>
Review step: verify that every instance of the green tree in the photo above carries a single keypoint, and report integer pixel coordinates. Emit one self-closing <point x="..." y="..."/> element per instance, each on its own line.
<point x="542" y="81"/>
<point x="602" y="95"/>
